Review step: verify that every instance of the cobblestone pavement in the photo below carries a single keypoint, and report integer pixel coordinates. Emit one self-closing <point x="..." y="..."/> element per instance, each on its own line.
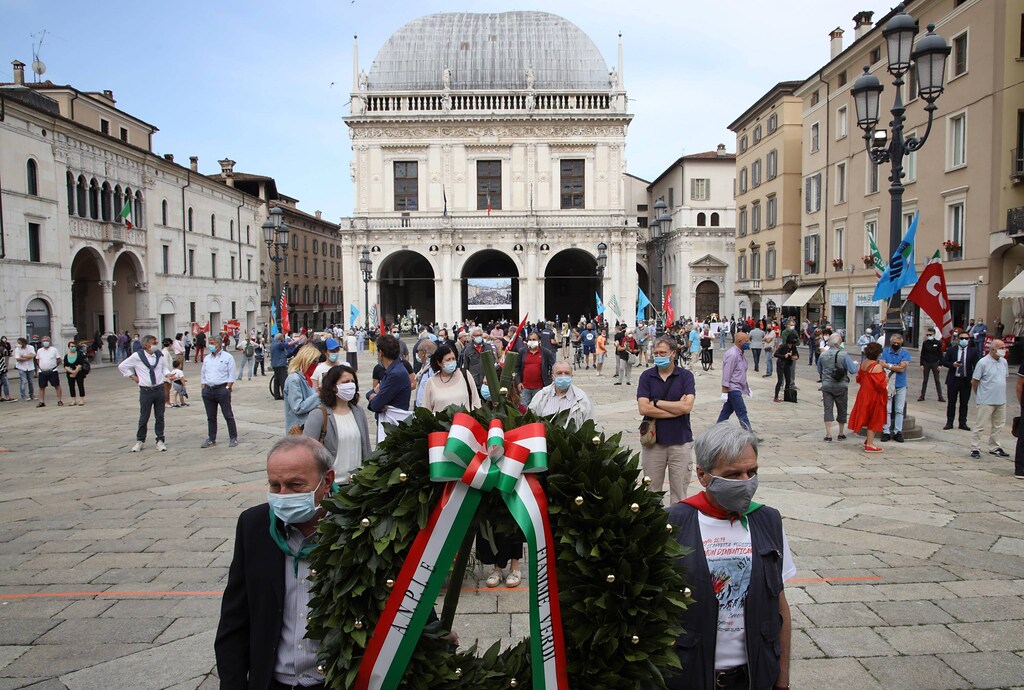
<point x="911" y="563"/>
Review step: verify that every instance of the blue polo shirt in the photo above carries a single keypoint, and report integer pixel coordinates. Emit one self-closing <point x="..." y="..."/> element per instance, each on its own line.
<point x="897" y="358"/>
<point x="674" y="431"/>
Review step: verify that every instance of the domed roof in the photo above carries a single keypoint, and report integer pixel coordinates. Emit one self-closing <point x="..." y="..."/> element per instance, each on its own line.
<point x="488" y="51"/>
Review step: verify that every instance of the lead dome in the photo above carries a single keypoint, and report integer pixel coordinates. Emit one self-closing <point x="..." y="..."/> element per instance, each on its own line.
<point x="489" y="52"/>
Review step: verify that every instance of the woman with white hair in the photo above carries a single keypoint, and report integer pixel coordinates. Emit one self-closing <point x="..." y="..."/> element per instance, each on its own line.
<point x="834" y="369"/>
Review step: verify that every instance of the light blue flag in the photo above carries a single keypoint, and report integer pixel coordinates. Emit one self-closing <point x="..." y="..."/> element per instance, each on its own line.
<point x="641" y="304"/>
<point x="352" y="314"/>
<point x="274" y="330"/>
<point x="600" y="304"/>
<point x="900" y="272"/>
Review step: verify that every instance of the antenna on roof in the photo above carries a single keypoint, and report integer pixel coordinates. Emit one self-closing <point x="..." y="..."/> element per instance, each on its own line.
<point x="38" y="66"/>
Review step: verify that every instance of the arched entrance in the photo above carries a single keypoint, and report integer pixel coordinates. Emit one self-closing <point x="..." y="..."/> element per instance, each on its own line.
<point x="37" y="320"/>
<point x="405" y="281"/>
<point x="129" y="283"/>
<point x="87" y="294"/>
<point x="570" y="281"/>
<point x="706" y="299"/>
<point x="490" y="287"/>
<point x="643" y="279"/>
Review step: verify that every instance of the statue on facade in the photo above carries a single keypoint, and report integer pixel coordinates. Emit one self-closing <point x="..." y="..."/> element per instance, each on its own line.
<point x="364" y="80"/>
<point x="530" y="77"/>
<point x="446" y="102"/>
<point x="446" y="79"/>
<point x="613" y="78"/>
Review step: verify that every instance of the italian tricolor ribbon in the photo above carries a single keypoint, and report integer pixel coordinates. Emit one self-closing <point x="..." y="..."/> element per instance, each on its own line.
<point x="471" y="460"/>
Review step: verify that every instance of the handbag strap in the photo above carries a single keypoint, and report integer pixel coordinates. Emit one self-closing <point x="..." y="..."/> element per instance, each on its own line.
<point x="469" y="391"/>
<point x="323" y="427"/>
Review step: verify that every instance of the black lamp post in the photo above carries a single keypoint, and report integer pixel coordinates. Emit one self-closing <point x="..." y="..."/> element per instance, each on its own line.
<point x="366" y="267"/>
<point x="275" y="236"/>
<point x="602" y="261"/>
<point x="929" y="59"/>
<point x="660" y="227"/>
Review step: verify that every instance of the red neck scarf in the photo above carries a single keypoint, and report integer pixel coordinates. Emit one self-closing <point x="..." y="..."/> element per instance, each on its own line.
<point x="700" y="502"/>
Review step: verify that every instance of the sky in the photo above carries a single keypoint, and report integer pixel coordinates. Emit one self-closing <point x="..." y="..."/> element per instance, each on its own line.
<point x="267" y="83"/>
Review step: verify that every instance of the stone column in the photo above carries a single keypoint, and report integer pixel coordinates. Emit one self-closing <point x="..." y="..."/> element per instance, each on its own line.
<point x="532" y="301"/>
<point x="108" y="304"/>
<point x="446" y="311"/>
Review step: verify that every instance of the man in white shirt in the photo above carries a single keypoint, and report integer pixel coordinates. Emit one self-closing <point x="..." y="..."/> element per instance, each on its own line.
<point x="989" y="386"/>
<point x="217" y="378"/>
<point x="149" y="369"/>
<point x="562" y="396"/>
<point x="48" y="360"/>
<point x="25" y="363"/>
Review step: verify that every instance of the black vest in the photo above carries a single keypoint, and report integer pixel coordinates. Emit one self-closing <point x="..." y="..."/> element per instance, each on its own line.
<point x="696" y="644"/>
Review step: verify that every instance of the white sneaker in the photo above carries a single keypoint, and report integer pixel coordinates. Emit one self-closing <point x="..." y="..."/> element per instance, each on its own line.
<point x="137" y="447"/>
<point x="161" y="446"/>
<point x="513" y="579"/>
<point x="494" y="578"/>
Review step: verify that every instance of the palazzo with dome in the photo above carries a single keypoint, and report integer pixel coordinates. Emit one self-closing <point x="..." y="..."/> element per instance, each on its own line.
<point x="489" y="146"/>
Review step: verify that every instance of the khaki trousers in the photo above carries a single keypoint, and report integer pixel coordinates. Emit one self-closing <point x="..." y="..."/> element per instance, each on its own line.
<point x="677" y="459"/>
<point x="988" y="416"/>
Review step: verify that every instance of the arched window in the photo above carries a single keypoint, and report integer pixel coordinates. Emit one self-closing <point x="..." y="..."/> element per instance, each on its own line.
<point x="71" y="193"/>
<point x="191" y="225"/>
<point x="31" y="178"/>
<point x="714" y="220"/>
<point x="138" y="218"/>
<point x="127" y="202"/>
<point x="94" y="199"/>
<point x="213" y="225"/>
<point x="323" y="248"/>
<point x="247" y="236"/>
<point x="305" y="295"/>
<point x="118" y="199"/>
<point x="106" y="201"/>
<point x="163" y="212"/>
<point x="82" y="204"/>
<point x="702" y="220"/>
<point x="316" y="294"/>
<point x="231" y="225"/>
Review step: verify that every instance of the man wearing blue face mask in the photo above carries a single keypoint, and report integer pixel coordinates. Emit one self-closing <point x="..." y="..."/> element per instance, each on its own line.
<point x="737" y="632"/>
<point x="563" y="396"/>
<point x="960" y="360"/>
<point x="261" y="638"/>
<point x="218" y="377"/>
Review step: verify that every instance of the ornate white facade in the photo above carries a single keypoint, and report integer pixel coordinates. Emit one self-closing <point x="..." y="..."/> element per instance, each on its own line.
<point x="489" y="146"/>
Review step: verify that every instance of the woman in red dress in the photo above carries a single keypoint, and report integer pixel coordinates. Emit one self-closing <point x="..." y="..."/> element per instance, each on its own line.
<point x="872" y="398"/>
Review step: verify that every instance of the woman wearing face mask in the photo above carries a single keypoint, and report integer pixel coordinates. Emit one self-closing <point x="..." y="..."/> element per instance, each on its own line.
<point x="872" y="398"/>
<point x="787" y="355"/>
<point x="347" y="437"/>
<point x="448" y="384"/>
<point x="75" y="373"/>
<point x="299" y="396"/>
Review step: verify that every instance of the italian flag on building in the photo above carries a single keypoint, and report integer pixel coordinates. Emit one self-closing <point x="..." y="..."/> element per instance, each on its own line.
<point x="125" y="212"/>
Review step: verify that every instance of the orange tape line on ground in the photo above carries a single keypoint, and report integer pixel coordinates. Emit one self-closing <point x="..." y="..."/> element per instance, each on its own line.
<point x="45" y="595"/>
<point x="253" y="487"/>
<point x="806" y="580"/>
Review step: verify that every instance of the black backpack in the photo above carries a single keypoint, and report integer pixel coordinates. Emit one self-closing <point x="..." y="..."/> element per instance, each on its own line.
<point x="838" y="370"/>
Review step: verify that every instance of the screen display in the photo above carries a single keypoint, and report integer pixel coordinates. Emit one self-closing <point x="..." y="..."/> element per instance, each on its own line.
<point x="489" y="293"/>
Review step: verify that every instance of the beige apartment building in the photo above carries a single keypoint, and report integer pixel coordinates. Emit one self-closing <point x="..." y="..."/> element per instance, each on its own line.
<point x="966" y="181"/>
<point x="767" y="189"/>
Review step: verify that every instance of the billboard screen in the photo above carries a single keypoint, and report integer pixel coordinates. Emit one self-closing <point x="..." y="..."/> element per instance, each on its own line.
<point x="489" y="293"/>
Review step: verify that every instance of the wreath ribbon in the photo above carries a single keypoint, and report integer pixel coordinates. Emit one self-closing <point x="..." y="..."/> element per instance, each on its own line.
<point x="471" y="461"/>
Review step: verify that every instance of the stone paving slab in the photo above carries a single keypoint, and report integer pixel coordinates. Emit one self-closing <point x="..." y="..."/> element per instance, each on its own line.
<point x="910" y="564"/>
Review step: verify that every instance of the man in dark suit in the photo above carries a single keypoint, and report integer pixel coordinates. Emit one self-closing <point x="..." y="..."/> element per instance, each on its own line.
<point x="261" y="639"/>
<point x="960" y="359"/>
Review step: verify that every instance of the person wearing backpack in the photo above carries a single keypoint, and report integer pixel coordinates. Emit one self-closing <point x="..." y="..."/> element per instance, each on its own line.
<point x="248" y="349"/>
<point x="835" y="367"/>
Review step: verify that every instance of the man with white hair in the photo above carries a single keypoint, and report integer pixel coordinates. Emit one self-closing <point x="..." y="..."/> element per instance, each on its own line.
<point x="471" y="353"/>
<point x="989" y="386"/>
<point x="737" y="632"/>
<point x="563" y="396"/>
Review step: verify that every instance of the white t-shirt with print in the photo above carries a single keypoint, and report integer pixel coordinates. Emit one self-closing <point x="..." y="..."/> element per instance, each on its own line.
<point x="728" y="552"/>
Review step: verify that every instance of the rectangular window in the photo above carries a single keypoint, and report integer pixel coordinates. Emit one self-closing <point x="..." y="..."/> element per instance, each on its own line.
<point x="741" y="267"/>
<point x="959" y="61"/>
<point x="295" y="265"/>
<point x="572" y="183"/>
<point x="911" y="85"/>
<point x="743" y="143"/>
<point x="871" y="186"/>
<point x="700" y="189"/>
<point x="234" y="310"/>
<point x="757" y="134"/>
<point x="870" y="233"/>
<point x="772" y="164"/>
<point x="815" y="136"/>
<point x="104" y="126"/>
<point x="34" y="242"/>
<point x="755" y="217"/>
<point x="812" y="193"/>
<point x="488" y="185"/>
<point x="165" y="258"/>
<point x="248" y="269"/>
<point x="192" y="264"/>
<point x="406" y="186"/>
<point x="743" y="180"/>
<point x="956" y="230"/>
<point x="841" y="122"/>
<point x="743" y="222"/>
<point x="815" y="97"/>
<point x="755" y="265"/>
<point x="771" y="212"/>
<point x="840" y="183"/>
<point x="232" y="268"/>
<point x="315" y="266"/>
<point x="876" y="54"/>
<point x="755" y="173"/>
<point x="192" y="311"/>
<point x="671" y="197"/>
<point x="305" y="265"/>
<point x="841" y="79"/>
<point x="124" y="134"/>
<point x="840" y="248"/>
<point x="957" y="141"/>
<point x="213" y="264"/>
<point x="773" y="122"/>
<point x="769" y="264"/>
<point x="811" y="254"/>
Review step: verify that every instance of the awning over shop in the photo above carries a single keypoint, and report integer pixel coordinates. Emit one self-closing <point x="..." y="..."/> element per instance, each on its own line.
<point x="802" y="295"/>
<point x="1015" y="288"/>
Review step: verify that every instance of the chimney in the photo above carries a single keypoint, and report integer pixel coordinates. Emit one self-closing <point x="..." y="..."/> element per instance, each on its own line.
<point x="109" y="95"/>
<point x="862" y="23"/>
<point x="227" y="169"/>
<point x="169" y="157"/>
<point x="193" y="162"/>
<point x="835" y="43"/>
<point x="318" y="214"/>
<point x="19" y="71"/>
<point x="721" y="151"/>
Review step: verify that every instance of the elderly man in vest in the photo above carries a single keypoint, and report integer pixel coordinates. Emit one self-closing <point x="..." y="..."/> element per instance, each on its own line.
<point x="736" y="634"/>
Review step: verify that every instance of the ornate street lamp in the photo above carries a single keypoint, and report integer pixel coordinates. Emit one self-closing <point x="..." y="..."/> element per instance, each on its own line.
<point x="602" y="261"/>
<point x="660" y="227"/>
<point x="275" y="236"/>
<point x="366" y="267"/>
<point x="929" y="59"/>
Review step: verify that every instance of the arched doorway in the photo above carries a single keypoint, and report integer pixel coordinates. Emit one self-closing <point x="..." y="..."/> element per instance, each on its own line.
<point x="405" y="281"/>
<point x="490" y="287"/>
<point x="706" y="299"/>
<point x="129" y="281"/>
<point x="643" y="279"/>
<point x="87" y="294"/>
<point x="570" y="281"/>
<point x="37" y="320"/>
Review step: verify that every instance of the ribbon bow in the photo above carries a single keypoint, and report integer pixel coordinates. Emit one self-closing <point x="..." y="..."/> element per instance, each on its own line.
<point x="470" y="461"/>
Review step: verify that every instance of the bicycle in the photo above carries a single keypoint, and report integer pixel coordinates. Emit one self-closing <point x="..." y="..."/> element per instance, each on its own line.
<point x="275" y="390"/>
<point x="577" y="357"/>
<point x="706" y="358"/>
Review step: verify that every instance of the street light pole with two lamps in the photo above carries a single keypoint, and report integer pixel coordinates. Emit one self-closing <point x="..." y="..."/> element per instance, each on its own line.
<point x="275" y="236"/>
<point x="366" y="268"/>
<point x="659" y="228"/>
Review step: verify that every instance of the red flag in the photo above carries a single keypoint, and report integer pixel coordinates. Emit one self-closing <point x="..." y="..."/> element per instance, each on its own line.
<point x="286" y="324"/>
<point x="670" y="313"/>
<point x="930" y="294"/>
<point x="519" y="329"/>
<point x="383" y="326"/>
<point x="488" y="202"/>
